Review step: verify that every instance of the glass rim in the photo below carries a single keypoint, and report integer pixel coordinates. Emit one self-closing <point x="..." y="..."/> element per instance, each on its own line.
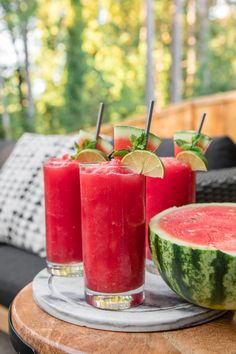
<point x="103" y="164"/>
<point x="58" y="161"/>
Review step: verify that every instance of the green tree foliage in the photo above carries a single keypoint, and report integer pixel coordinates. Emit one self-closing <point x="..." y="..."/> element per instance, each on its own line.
<point x="162" y="53"/>
<point x="114" y="57"/>
<point x="53" y="19"/>
<point x="74" y="116"/>
<point x="92" y="51"/>
<point x="220" y="59"/>
<point x="17" y="16"/>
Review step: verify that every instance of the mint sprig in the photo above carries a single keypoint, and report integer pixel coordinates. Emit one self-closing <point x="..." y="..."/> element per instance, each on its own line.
<point x="138" y="142"/>
<point x="120" y="153"/>
<point x="188" y="146"/>
<point x="183" y="144"/>
<point x="196" y="138"/>
<point x="87" y="144"/>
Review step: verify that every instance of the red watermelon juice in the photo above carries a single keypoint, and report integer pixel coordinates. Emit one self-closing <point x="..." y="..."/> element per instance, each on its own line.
<point x="113" y="224"/>
<point x="63" y="219"/>
<point x="177" y="188"/>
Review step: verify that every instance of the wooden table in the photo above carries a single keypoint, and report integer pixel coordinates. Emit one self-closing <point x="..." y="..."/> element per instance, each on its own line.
<point x="47" y="334"/>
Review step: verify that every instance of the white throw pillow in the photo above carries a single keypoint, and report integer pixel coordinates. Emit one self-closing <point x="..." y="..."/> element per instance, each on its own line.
<point x="21" y="190"/>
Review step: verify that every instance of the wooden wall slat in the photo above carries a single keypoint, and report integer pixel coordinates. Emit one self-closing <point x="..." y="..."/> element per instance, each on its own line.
<point x="214" y="124"/>
<point x="229" y="117"/>
<point x="221" y="117"/>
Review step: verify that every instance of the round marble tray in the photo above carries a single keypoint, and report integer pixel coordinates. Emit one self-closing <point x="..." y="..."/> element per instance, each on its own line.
<point x="162" y="310"/>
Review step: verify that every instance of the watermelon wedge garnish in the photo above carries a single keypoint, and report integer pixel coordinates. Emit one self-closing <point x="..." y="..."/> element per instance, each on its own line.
<point x="190" y="147"/>
<point x="183" y="138"/>
<point x="194" y="248"/>
<point x="123" y="141"/>
<point x="102" y="144"/>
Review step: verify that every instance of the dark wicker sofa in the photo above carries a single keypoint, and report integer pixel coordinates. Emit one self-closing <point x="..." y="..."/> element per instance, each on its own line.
<point x="217" y="186"/>
<point x="18" y="267"/>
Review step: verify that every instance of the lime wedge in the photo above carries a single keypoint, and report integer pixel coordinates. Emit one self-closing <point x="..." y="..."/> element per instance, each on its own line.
<point x="145" y="162"/>
<point x="91" y="155"/>
<point x="193" y="159"/>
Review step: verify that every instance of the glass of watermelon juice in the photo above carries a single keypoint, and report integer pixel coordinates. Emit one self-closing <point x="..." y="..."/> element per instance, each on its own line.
<point x="113" y="233"/>
<point x="177" y="188"/>
<point x="62" y="214"/>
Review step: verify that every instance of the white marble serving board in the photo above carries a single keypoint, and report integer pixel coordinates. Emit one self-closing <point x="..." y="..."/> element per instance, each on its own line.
<point x="162" y="310"/>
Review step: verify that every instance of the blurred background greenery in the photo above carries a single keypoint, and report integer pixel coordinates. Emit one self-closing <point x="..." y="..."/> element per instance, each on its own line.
<point x="60" y="58"/>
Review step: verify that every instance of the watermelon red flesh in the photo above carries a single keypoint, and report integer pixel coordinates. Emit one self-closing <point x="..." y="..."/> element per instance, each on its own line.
<point x="194" y="249"/>
<point x="203" y="226"/>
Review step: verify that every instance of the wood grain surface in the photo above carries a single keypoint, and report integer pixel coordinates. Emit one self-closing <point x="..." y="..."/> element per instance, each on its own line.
<point x="47" y="334"/>
<point x="3" y="319"/>
<point x="220" y="109"/>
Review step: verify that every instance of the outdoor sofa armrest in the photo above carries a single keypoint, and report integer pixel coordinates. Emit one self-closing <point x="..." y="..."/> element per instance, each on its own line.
<point x="216" y="186"/>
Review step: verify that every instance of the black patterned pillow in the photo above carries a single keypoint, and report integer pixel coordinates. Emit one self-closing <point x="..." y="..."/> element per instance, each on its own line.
<point x="21" y="190"/>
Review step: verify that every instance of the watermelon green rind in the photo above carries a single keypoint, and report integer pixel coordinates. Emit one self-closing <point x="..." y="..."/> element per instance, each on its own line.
<point x="187" y="135"/>
<point x="124" y="132"/>
<point x="102" y="144"/>
<point x="202" y="275"/>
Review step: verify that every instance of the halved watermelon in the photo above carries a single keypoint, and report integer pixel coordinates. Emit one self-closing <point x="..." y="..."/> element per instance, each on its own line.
<point x="102" y="144"/>
<point x="123" y="133"/>
<point x="187" y="135"/>
<point x="194" y="249"/>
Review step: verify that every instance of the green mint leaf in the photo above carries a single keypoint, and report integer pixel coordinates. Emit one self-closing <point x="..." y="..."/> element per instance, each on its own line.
<point x="196" y="149"/>
<point x="187" y="146"/>
<point x="73" y="157"/>
<point x="133" y="139"/>
<point x="121" y="153"/>
<point x="196" y="138"/>
<point x="77" y="150"/>
<point x="181" y="142"/>
<point x="88" y="144"/>
<point x="76" y="145"/>
<point x="138" y="143"/>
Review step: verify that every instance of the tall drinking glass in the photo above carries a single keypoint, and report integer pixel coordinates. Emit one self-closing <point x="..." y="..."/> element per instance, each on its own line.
<point x="63" y="219"/>
<point x="113" y="224"/>
<point x="177" y="188"/>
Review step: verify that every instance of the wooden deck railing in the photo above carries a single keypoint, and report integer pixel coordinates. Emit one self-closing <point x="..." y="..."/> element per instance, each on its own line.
<point x="221" y="117"/>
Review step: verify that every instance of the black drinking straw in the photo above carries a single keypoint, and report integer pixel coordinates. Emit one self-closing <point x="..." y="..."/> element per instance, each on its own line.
<point x="149" y="119"/>
<point x="99" y="120"/>
<point x="201" y="123"/>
